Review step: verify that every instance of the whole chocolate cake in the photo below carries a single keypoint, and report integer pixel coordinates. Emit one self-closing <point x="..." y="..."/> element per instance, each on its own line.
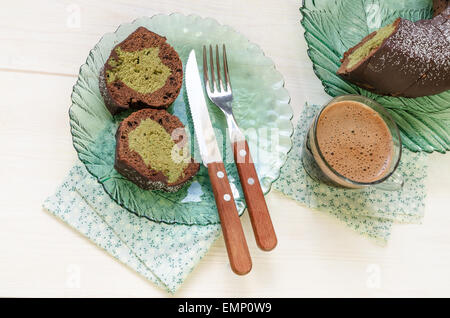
<point x="405" y="58"/>
<point x="143" y="71"/>
<point x="151" y="151"/>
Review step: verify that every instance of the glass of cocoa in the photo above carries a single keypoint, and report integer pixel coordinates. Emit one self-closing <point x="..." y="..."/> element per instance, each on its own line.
<point x="353" y="142"/>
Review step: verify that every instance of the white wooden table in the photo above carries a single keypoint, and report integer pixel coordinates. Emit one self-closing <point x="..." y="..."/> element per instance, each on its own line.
<point x="43" y="43"/>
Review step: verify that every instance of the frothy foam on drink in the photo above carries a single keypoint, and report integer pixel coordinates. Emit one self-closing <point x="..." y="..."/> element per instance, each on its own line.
<point x="355" y="141"/>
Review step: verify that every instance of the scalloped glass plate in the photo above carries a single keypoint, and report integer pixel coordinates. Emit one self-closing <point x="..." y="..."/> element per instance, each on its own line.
<point x="261" y="106"/>
<point x="332" y="27"/>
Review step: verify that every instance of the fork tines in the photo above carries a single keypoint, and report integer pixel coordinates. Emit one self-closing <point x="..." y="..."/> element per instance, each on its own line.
<point x="225" y="86"/>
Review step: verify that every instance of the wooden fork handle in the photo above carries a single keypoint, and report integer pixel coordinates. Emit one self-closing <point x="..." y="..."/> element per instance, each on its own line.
<point x="257" y="208"/>
<point x="233" y="233"/>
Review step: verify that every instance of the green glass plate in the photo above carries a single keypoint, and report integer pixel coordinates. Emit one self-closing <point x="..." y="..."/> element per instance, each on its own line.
<point x="261" y="106"/>
<point x="332" y="27"/>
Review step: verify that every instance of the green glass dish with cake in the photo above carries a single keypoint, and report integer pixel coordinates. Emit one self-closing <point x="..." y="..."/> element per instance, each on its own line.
<point x="129" y="117"/>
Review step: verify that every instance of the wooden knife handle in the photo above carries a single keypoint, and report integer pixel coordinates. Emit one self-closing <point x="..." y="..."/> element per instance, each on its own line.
<point x="233" y="233"/>
<point x="257" y="208"/>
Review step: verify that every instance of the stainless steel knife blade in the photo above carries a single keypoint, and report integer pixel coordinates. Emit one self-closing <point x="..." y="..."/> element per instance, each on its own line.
<point x="209" y="150"/>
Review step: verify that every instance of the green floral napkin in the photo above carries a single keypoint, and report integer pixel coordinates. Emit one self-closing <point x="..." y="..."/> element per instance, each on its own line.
<point x="369" y="211"/>
<point x="164" y="254"/>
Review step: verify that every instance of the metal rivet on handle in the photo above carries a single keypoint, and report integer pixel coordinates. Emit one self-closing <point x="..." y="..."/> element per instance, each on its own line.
<point x="251" y="181"/>
<point x="242" y="152"/>
<point x="220" y="174"/>
<point x="227" y="197"/>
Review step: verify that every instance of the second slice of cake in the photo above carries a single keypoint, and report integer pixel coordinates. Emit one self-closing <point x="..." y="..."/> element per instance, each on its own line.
<point x="152" y="151"/>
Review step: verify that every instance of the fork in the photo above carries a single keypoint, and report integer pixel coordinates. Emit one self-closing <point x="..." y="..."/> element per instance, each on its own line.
<point x="220" y="93"/>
